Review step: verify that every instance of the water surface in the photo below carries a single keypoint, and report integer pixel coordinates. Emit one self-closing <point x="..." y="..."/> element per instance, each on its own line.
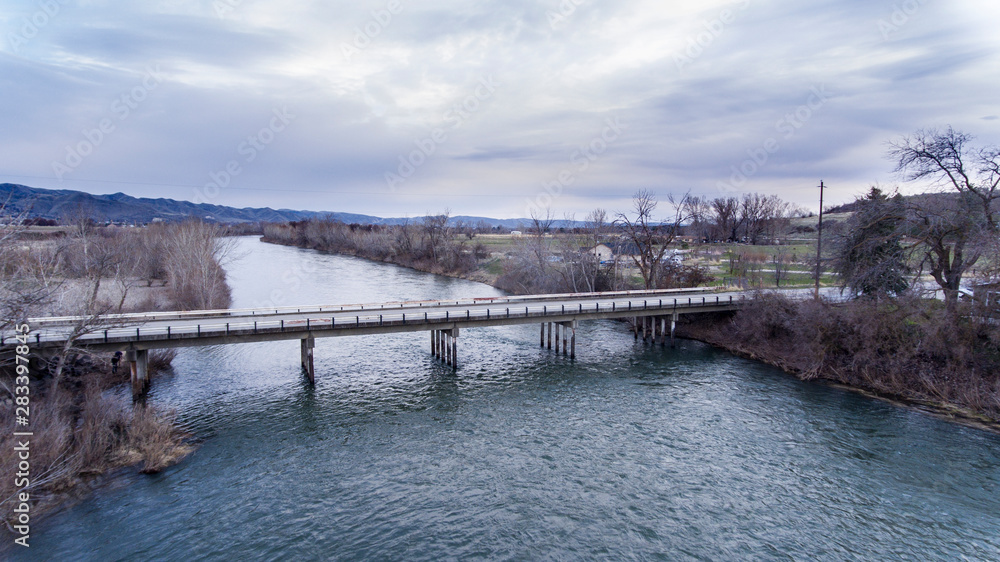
<point x="628" y="452"/>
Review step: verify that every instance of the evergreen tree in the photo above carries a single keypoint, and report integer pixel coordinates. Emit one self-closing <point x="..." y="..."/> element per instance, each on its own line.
<point x="870" y="257"/>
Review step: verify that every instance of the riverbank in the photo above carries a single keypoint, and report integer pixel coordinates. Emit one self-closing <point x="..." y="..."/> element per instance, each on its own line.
<point x="909" y="352"/>
<point x="83" y="422"/>
<point x="478" y="275"/>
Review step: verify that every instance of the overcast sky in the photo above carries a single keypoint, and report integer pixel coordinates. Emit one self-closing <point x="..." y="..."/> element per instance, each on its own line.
<point x="489" y="107"/>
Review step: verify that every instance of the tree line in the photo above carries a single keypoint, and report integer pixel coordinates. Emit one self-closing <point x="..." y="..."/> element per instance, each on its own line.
<point x="890" y="241"/>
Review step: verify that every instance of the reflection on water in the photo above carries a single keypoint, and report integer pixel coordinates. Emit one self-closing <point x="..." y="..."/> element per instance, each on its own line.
<point x="626" y="452"/>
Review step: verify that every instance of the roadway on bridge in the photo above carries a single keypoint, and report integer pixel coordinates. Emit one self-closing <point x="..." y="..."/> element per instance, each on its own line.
<point x="388" y="317"/>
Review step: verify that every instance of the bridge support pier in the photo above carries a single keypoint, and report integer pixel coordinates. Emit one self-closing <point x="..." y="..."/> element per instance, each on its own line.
<point x="138" y="361"/>
<point x="447" y="348"/>
<point x="572" y="340"/>
<point x="550" y="335"/>
<point x="673" y="328"/>
<point x="444" y="346"/>
<point x="308" y="344"/>
<point x="635" y="328"/>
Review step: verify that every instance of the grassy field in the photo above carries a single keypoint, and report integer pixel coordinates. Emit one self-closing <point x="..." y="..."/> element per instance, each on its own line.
<point x="716" y="258"/>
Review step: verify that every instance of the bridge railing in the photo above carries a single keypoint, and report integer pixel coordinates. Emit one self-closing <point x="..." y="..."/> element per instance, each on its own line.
<point x="479" y="312"/>
<point x="133" y="318"/>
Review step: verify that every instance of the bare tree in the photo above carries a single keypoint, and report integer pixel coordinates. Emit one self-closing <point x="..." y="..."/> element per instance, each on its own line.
<point x="27" y="278"/>
<point x="952" y="233"/>
<point x="649" y="236"/>
<point x="945" y="158"/>
<point x="782" y="261"/>
<point x="700" y="210"/>
<point x="435" y="230"/>
<point x="727" y="221"/>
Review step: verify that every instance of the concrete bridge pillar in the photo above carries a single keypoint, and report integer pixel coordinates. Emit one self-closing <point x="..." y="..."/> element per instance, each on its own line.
<point x="444" y="346"/>
<point x="308" y="343"/>
<point x="673" y="328"/>
<point x="572" y="339"/>
<point x="449" y="345"/>
<point x="550" y="335"/>
<point x="138" y="362"/>
<point x="541" y="341"/>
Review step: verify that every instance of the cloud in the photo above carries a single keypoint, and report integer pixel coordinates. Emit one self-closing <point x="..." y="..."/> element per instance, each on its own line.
<point x="701" y="87"/>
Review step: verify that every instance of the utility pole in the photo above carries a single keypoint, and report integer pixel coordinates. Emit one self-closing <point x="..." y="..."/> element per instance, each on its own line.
<point x="819" y="239"/>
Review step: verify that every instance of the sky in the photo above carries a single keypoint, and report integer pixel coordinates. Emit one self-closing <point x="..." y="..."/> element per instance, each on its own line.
<point x="498" y="108"/>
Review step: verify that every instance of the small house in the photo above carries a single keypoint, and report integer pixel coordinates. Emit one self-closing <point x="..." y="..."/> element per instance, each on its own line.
<point x="602" y="252"/>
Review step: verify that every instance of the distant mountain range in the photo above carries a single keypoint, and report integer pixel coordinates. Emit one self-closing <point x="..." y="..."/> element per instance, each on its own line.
<point x="58" y="204"/>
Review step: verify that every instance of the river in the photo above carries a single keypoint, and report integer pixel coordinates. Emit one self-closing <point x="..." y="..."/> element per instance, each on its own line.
<point x="628" y="452"/>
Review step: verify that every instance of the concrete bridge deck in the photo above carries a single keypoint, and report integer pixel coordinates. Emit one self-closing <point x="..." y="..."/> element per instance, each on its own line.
<point x="655" y="314"/>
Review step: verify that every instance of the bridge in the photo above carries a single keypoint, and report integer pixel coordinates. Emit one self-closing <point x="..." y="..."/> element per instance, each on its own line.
<point x="654" y="315"/>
